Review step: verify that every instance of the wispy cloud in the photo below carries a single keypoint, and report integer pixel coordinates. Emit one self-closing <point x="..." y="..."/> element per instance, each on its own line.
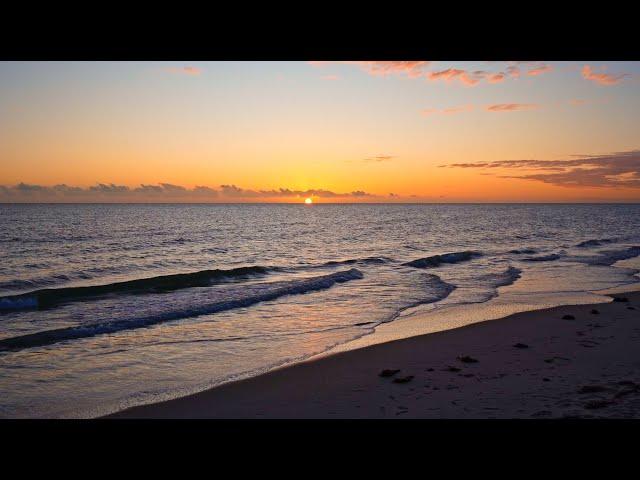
<point x="447" y="111"/>
<point x="410" y="68"/>
<point x="510" y="107"/>
<point x="497" y="107"/>
<point x="379" y="158"/>
<point x="533" y="72"/>
<point x="619" y="170"/>
<point x="331" y="77"/>
<point x="455" y="74"/>
<point x="423" y="69"/>
<point x="497" y="78"/>
<point x="602" y="78"/>
<point x="193" y="71"/>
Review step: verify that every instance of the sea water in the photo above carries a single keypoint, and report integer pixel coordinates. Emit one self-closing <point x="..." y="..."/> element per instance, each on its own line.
<point x="103" y="307"/>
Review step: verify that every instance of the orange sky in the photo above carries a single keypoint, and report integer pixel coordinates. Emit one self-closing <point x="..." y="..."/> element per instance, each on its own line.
<point x="320" y="129"/>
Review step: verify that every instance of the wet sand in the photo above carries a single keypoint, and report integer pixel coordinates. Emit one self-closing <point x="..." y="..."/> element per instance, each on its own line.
<point x="528" y="365"/>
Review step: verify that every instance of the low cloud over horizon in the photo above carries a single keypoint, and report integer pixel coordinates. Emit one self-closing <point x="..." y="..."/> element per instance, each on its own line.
<point x="110" y="192"/>
<point x="620" y="169"/>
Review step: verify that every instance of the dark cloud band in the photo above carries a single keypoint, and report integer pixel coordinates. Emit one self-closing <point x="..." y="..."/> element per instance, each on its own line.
<point x="620" y="170"/>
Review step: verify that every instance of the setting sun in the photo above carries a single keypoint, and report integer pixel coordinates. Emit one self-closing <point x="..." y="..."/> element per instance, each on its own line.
<point x="308" y="201"/>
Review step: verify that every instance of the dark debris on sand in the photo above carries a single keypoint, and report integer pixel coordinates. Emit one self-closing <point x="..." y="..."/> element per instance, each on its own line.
<point x="388" y="372"/>
<point x="521" y="345"/>
<point x="568" y="317"/>
<point x="467" y="359"/>
<point x="592" y="389"/>
<point x="595" y="312"/>
<point x="452" y="369"/>
<point x="620" y="299"/>
<point x="406" y="379"/>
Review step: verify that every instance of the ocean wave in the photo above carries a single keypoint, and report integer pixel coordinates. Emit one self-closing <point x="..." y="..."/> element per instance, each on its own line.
<point x="595" y="242"/>
<point x="502" y="279"/>
<point x="50" y="297"/>
<point x="361" y="261"/>
<point x="270" y="292"/>
<point x="609" y="257"/>
<point x="542" y="258"/>
<point x="437" y="260"/>
<point x="437" y="290"/>
<point x="523" y="251"/>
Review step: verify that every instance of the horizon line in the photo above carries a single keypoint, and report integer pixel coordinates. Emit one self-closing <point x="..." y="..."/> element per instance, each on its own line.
<point x="330" y="203"/>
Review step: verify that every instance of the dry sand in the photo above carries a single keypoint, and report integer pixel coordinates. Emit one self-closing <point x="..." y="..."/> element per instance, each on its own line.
<point x="583" y="367"/>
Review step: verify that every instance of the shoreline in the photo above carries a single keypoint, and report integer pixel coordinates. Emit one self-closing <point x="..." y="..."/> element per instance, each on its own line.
<point x="541" y="378"/>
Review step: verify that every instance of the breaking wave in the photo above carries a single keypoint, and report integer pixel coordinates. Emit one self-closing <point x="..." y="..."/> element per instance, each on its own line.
<point x="437" y="260"/>
<point x="50" y="297"/>
<point x="595" y="242"/>
<point x="502" y="279"/>
<point x="269" y="291"/>
<point x="609" y="257"/>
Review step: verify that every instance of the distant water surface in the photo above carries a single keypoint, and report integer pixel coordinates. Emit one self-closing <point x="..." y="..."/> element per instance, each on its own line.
<point x="108" y="306"/>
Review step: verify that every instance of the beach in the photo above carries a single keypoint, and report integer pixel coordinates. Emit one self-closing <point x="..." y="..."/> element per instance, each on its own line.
<point x="578" y="361"/>
<point x="152" y="303"/>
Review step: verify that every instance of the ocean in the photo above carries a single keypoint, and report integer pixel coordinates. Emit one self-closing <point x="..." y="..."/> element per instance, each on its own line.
<point x="103" y="307"/>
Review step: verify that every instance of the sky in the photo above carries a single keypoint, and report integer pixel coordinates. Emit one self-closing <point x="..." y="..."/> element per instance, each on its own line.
<point x="386" y="131"/>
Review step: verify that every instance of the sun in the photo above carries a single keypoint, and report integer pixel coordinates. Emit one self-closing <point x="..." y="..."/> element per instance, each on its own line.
<point x="308" y="201"/>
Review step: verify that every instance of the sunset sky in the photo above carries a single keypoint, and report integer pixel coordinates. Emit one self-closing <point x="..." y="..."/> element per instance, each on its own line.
<point x="334" y="131"/>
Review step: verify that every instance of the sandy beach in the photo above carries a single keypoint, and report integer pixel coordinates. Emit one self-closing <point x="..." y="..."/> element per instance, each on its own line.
<point x="565" y="362"/>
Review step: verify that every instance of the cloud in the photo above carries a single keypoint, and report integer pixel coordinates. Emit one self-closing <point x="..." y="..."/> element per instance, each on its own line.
<point x="497" y="78"/>
<point x="448" y="111"/>
<point x="497" y="107"/>
<point x="454" y="110"/>
<point x="109" y="192"/>
<point x="539" y="70"/>
<point x="619" y="170"/>
<point x="193" y="71"/>
<point x="510" y="107"/>
<point x="576" y="102"/>
<point x="331" y="77"/>
<point x="602" y="78"/>
<point x="379" y="158"/>
<point x="410" y="68"/>
<point x="421" y="69"/>
<point x="452" y="74"/>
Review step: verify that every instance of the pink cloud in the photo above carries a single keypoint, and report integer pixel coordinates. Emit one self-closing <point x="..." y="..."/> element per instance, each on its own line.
<point x="447" y="111"/>
<point x="540" y="70"/>
<point x="577" y="102"/>
<point x="331" y="77"/>
<point x="412" y="68"/>
<point x="602" y="78"/>
<point x="510" y="107"/>
<point x="420" y="69"/>
<point x="185" y="70"/>
<point x="451" y="74"/>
